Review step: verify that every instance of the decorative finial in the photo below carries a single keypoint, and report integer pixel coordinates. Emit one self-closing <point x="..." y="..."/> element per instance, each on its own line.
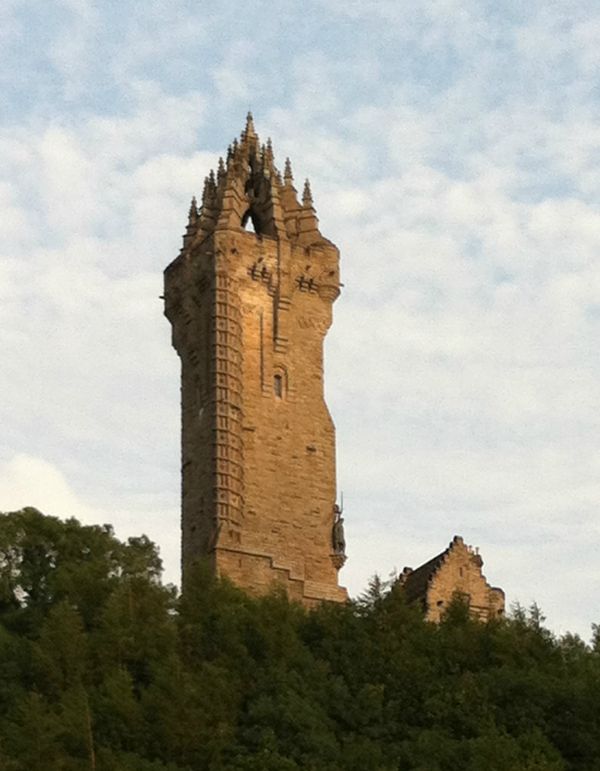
<point x="210" y="188"/>
<point x="307" y="199"/>
<point x="268" y="153"/>
<point x="287" y="174"/>
<point x="249" y="130"/>
<point x="193" y="215"/>
<point x="221" y="169"/>
<point x="205" y="189"/>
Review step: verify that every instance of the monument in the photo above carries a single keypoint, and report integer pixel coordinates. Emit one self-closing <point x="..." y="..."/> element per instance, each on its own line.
<point x="250" y="301"/>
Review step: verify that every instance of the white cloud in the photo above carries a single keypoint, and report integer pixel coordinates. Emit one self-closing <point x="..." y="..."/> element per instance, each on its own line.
<point x="233" y="76"/>
<point x="14" y="221"/>
<point x="30" y="481"/>
<point x="455" y="163"/>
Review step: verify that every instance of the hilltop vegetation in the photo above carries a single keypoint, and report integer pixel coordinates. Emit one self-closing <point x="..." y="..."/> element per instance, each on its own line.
<point x="102" y="667"/>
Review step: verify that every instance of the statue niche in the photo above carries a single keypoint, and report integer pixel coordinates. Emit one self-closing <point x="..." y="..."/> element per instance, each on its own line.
<point x="338" y="539"/>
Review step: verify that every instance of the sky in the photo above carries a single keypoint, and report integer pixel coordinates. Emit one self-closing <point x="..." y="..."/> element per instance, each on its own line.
<point x="453" y="148"/>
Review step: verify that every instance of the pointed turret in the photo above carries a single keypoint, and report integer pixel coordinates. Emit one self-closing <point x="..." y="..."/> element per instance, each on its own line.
<point x="205" y="190"/>
<point x="307" y="199"/>
<point x="287" y="174"/>
<point x="249" y="137"/>
<point x="192" y="225"/>
<point x="193" y="214"/>
<point x="289" y="199"/>
<point x="206" y="220"/>
<point x="269" y="155"/>
<point x="308" y="224"/>
<point x="249" y="130"/>
<point x="209" y="191"/>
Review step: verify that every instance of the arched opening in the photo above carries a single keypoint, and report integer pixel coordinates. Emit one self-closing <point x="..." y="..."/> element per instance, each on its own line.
<point x="278" y="386"/>
<point x="250" y="222"/>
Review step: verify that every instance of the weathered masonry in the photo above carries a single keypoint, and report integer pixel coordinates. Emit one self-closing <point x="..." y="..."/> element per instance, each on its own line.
<point x="250" y="301"/>
<point x="457" y="570"/>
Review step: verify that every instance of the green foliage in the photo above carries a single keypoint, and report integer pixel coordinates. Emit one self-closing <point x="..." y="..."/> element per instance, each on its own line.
<point x="103" y="668"/>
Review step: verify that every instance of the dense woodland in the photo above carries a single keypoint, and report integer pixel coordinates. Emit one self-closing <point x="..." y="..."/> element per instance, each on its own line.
<point x="102" y="667"/>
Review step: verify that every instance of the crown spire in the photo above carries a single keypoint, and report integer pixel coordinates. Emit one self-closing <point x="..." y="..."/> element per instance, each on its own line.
<point x="246" y="179"/>
<point x="249" y="131"/>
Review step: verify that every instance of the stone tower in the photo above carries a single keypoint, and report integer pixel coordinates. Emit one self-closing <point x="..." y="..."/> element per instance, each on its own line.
<point x="250" y="300"/>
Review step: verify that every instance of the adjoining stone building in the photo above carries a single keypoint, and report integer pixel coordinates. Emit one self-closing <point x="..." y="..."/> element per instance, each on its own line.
<point x="250" y="301"/>
<point x="457" y="570"/>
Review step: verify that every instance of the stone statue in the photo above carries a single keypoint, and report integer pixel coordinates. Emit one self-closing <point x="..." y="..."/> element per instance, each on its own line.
<point x="337" y="535"/>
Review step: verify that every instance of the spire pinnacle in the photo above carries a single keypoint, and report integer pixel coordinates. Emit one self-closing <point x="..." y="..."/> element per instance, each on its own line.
<point x="249" y="130"/>
<point x="210" y="189"/>
<point x="193" y="215"/>
<point x="307" y="199"/>
<point x="287" y="174"/>
<point x="268" y="154"/>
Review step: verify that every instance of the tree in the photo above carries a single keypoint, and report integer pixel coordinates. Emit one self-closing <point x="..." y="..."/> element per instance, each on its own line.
<point x="104" y="669"/>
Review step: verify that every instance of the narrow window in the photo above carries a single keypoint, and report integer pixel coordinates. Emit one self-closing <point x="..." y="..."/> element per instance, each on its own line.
<point x="278" y="386"/>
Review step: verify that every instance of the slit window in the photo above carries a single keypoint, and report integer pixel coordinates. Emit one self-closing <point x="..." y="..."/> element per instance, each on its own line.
<point x="278" y="386"/>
